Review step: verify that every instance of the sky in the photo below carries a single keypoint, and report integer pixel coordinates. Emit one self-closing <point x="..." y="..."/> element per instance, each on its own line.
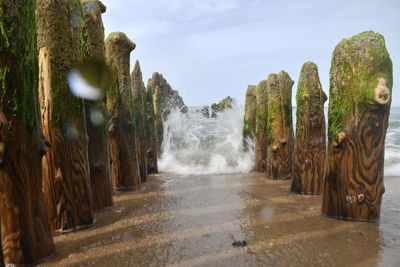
<point x="209" y="49"/>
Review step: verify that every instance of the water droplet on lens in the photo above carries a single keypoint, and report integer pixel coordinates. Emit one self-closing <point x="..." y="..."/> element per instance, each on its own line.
<point x="90" y="80"/>
<point x="96" y="117"/>
<point x="70" y="131"/>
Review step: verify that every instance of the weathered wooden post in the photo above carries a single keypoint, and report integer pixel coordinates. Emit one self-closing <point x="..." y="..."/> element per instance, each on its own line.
<point x="95" y="110"/>
<point x="310" y="144"/>
<point x="151" y="144"/>
<point x="279" y="127"/>
<point x="65" y="167"/>
<point x="261" y="126"/>
<point x="250" y="106"/>
<point x="25" y="232"/>
<point x="124" y="163"/>
<point x="360" y="96"/>
<point x="165" y="99"/>
<point x="139" y="102"/>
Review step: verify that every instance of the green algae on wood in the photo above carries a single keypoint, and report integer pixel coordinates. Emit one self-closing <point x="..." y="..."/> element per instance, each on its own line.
<point x="250" y="106"/>
<point x="279" y="127"/>
<point x="310" y="151"/>
<point x="361" y="79"/>
<point x="139" y="102"/>
<point x="225" y="103"/>
<point x="92" y="51"/>
<point x="151" y="145"/>
<point x="25" y="232"/>
<point x="261" y="145"/>
<point x="124" y="162"/>
<point x="65" y="168"/>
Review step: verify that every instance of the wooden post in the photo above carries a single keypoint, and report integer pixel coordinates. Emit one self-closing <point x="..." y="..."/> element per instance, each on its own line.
<point x="97" y="127"/>
<point x="310" y="147"/>
<point x="25" y="232"/>
<point x="250" y="105"/>
<point x="151" y="144"/>
<point x="65" y="167"/>
<point x="139" y="102"/>
<point x="261" y="126"/>
<point x="165" y="99"/>
<point x="361" y="81"/>
<point x="279" y="127"/>
<point x="124" y="163"/>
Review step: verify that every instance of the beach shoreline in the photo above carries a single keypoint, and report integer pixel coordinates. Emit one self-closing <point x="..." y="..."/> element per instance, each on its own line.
<point x="193" y="220"/>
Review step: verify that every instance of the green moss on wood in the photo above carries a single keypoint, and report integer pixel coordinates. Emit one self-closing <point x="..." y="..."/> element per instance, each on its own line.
<point x="18" y="44"/>
<point x="249" y="125"/>
<point x="357" y="65"/>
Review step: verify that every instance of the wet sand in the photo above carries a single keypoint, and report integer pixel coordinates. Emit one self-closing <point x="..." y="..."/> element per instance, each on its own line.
<point x="193" y="221"/>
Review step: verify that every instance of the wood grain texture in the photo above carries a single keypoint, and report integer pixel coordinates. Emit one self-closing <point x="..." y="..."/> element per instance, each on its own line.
<point x="98" y="147"/>
<point x="310" y="144"/>
<point x="25" y="233"/>
<point x="279" y="162"/>
<point x="361" y="81"/>
<point x="124" y="161"/>
<point x="66" y="175"/>
<point x="139" y="102"/>
<point x="261" y="145"/>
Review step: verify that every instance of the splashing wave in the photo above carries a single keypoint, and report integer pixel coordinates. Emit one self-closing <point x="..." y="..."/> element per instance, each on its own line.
<point x="194" y="144"/>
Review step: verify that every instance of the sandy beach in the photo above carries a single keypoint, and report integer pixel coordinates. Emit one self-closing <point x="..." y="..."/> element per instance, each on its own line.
<point x="193" y="221"/>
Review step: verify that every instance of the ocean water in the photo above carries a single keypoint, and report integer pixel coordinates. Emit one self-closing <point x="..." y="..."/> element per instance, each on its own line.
<point x="194" y="144"/>
<point x="392" y="149"/>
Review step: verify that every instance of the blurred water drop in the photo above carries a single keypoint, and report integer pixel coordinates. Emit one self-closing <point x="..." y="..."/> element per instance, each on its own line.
<point x="80" y="88"/>
<point x="96" y="117"/>
<point x="89" y="80"/>
<point x="267" y="213"/>
<point x="75" y="20"/>
<point x="70" y="131"/>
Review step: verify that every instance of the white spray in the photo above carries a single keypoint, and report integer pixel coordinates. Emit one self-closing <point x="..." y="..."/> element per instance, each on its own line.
<point x="193" y="144"/>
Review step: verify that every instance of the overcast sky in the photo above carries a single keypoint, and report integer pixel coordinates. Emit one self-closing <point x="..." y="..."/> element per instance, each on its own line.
<point x="209" y="49"/>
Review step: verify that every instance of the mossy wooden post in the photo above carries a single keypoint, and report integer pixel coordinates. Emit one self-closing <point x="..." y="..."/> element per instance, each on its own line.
<point x="139" y="102"/>
<point x="124" y="163"/>
<point x="310" y="144"/>
<point x="250" y="105"/>
<point x="65" y="167"/>
<point x="279" y="162"/>
<point x="25" y="231"/>
<point x="151" y="144"/>
<point x="261" y="126"/>
<point x="99" y="158"/>
<point x="165" y="99"/>
<point x="360" y="97"/>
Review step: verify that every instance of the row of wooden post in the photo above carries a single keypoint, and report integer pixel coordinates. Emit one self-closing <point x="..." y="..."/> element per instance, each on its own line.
<point x="349" y="172"/>
<point x="61" y="156"/>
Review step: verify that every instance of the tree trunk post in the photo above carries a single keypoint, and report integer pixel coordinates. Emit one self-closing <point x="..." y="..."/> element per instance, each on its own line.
<point x="279" y="127"/>
<point x="66" y="175"/>
<point x="124" y="162"/>
<point x="139" y="102"/>
<point x="97" y="128"/>
<point x="249" y="122"/>
<point x="25" y="232"/>
<point x="151" y="144"/>
<point x="310" y="144"/>
<point x="261" y="126"/>
<point x="361" y="79"/>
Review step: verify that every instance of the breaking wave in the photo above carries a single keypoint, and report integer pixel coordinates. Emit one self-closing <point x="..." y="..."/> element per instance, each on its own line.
<point x="195" y="144"/>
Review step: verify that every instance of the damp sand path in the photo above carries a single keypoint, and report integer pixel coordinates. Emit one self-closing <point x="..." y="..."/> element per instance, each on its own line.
<point x="193" y="221"/>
